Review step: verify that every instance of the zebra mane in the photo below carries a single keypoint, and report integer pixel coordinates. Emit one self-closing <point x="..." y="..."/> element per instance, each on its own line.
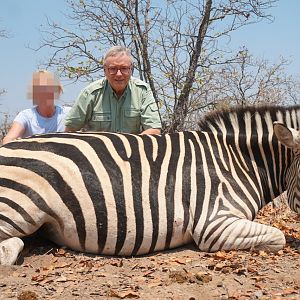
<point x="239" y="117"/>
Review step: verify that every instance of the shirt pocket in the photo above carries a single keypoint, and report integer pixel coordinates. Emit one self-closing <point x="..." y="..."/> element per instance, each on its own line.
<point x="132" y="121"/>
<point x="100" y="121"/>
<point x="153" y="107"/>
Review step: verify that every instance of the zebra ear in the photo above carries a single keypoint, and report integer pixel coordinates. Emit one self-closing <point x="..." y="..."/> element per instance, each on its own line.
<point x="287" y="136"/>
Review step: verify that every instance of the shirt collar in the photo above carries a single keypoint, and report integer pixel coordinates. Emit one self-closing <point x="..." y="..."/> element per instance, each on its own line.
<point x="112" y="92"/>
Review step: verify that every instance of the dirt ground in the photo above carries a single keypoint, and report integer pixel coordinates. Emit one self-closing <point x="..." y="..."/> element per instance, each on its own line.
<point x="45" y="271"/>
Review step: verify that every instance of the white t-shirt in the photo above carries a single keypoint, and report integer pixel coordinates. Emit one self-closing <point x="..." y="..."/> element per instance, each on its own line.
<point x="34" y="123"/>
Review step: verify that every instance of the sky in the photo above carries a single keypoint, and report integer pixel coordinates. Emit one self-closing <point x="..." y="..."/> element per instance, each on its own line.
<point x="22" y="19"/>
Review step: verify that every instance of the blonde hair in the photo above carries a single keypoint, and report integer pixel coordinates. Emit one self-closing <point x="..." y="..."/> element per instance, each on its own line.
<point x="45" y="78"/>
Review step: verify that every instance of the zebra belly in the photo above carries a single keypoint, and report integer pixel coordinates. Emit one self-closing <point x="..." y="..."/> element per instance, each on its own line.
<point x="121" y="241"/>
<point x="91" y="245"/>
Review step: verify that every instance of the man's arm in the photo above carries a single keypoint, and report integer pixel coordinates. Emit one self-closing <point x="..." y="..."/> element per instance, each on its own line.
<point x="150" y="117"/>
<point x="80" y="112"/>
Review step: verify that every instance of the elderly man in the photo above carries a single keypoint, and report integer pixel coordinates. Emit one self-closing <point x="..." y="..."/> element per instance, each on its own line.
<point x="116" y="103"/>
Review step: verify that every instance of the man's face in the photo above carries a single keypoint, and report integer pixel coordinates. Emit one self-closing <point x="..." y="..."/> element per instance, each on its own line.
<point x="118" y="70"/>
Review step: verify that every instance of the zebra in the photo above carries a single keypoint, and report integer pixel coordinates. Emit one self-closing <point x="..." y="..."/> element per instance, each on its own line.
<point x="291" y="139"/>
<point x="124" y="194"/>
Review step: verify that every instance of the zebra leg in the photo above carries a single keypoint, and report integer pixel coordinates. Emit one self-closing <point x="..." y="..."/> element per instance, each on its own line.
<point x="234" y="233"/>
<point x="10" y="250"/>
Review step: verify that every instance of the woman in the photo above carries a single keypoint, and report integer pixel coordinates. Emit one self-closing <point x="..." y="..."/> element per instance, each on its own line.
<point x="45" y="116"/>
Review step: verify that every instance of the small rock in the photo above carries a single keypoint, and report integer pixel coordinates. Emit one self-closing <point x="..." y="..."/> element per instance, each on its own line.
<point x="258" y="294"/>
<point x="28" y="295"/>
<point x="204" y="277"/>
<point x="178" y="276"/>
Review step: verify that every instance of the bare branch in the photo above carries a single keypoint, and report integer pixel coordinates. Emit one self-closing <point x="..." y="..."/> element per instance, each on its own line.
<point x="180" y="48"/>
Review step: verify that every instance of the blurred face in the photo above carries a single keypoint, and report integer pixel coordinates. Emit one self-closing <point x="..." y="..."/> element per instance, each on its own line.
<point x="118" y="70"/>
<point x="45" y="89"/>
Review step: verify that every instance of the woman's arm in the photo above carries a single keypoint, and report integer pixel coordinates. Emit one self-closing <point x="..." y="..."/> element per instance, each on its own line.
<point x="16" y="131"/>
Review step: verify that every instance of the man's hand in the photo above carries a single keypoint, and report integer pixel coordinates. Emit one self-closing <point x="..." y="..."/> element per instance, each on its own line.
<point x="69" y="129"/>
<point x="151" y="131"/>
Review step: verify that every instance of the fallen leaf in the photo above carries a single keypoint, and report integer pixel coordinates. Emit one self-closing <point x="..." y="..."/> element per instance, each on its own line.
<point x="123" y="295"/>
<point x="260" y="285"/>
<point x="289" y="291"/>
<point x="263" y="253"/>
<point x="61" y="279"/>
<point x="39" y="277"/>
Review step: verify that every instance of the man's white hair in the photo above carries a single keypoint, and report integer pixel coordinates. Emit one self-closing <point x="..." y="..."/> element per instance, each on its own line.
<point x="116" y="51"/>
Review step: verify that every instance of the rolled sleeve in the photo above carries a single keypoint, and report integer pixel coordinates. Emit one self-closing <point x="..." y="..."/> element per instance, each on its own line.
<point x="149" y="112"/>
<point x="22" y="119"/>
<point x="81" y="111"/>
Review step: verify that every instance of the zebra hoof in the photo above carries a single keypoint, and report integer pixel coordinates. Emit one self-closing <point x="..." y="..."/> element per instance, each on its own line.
<point x="10" y="250"/>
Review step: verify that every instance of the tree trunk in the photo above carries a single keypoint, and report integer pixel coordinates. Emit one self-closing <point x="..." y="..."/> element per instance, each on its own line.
<point x="180" y="111"/>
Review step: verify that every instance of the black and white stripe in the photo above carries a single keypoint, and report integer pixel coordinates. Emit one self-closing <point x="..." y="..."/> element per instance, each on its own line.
<point x="123" y="194"/>
<point x="291" y="139"/>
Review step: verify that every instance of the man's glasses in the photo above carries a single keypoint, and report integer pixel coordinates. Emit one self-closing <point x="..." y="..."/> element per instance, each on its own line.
<point x="123" y="70"/>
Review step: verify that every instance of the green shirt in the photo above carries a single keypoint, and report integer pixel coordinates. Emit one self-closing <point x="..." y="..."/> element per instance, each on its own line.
<point x="98" y="109"/>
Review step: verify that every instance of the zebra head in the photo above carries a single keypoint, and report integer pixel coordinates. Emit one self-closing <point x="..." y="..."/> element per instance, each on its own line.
<point x="291" y="139"/>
